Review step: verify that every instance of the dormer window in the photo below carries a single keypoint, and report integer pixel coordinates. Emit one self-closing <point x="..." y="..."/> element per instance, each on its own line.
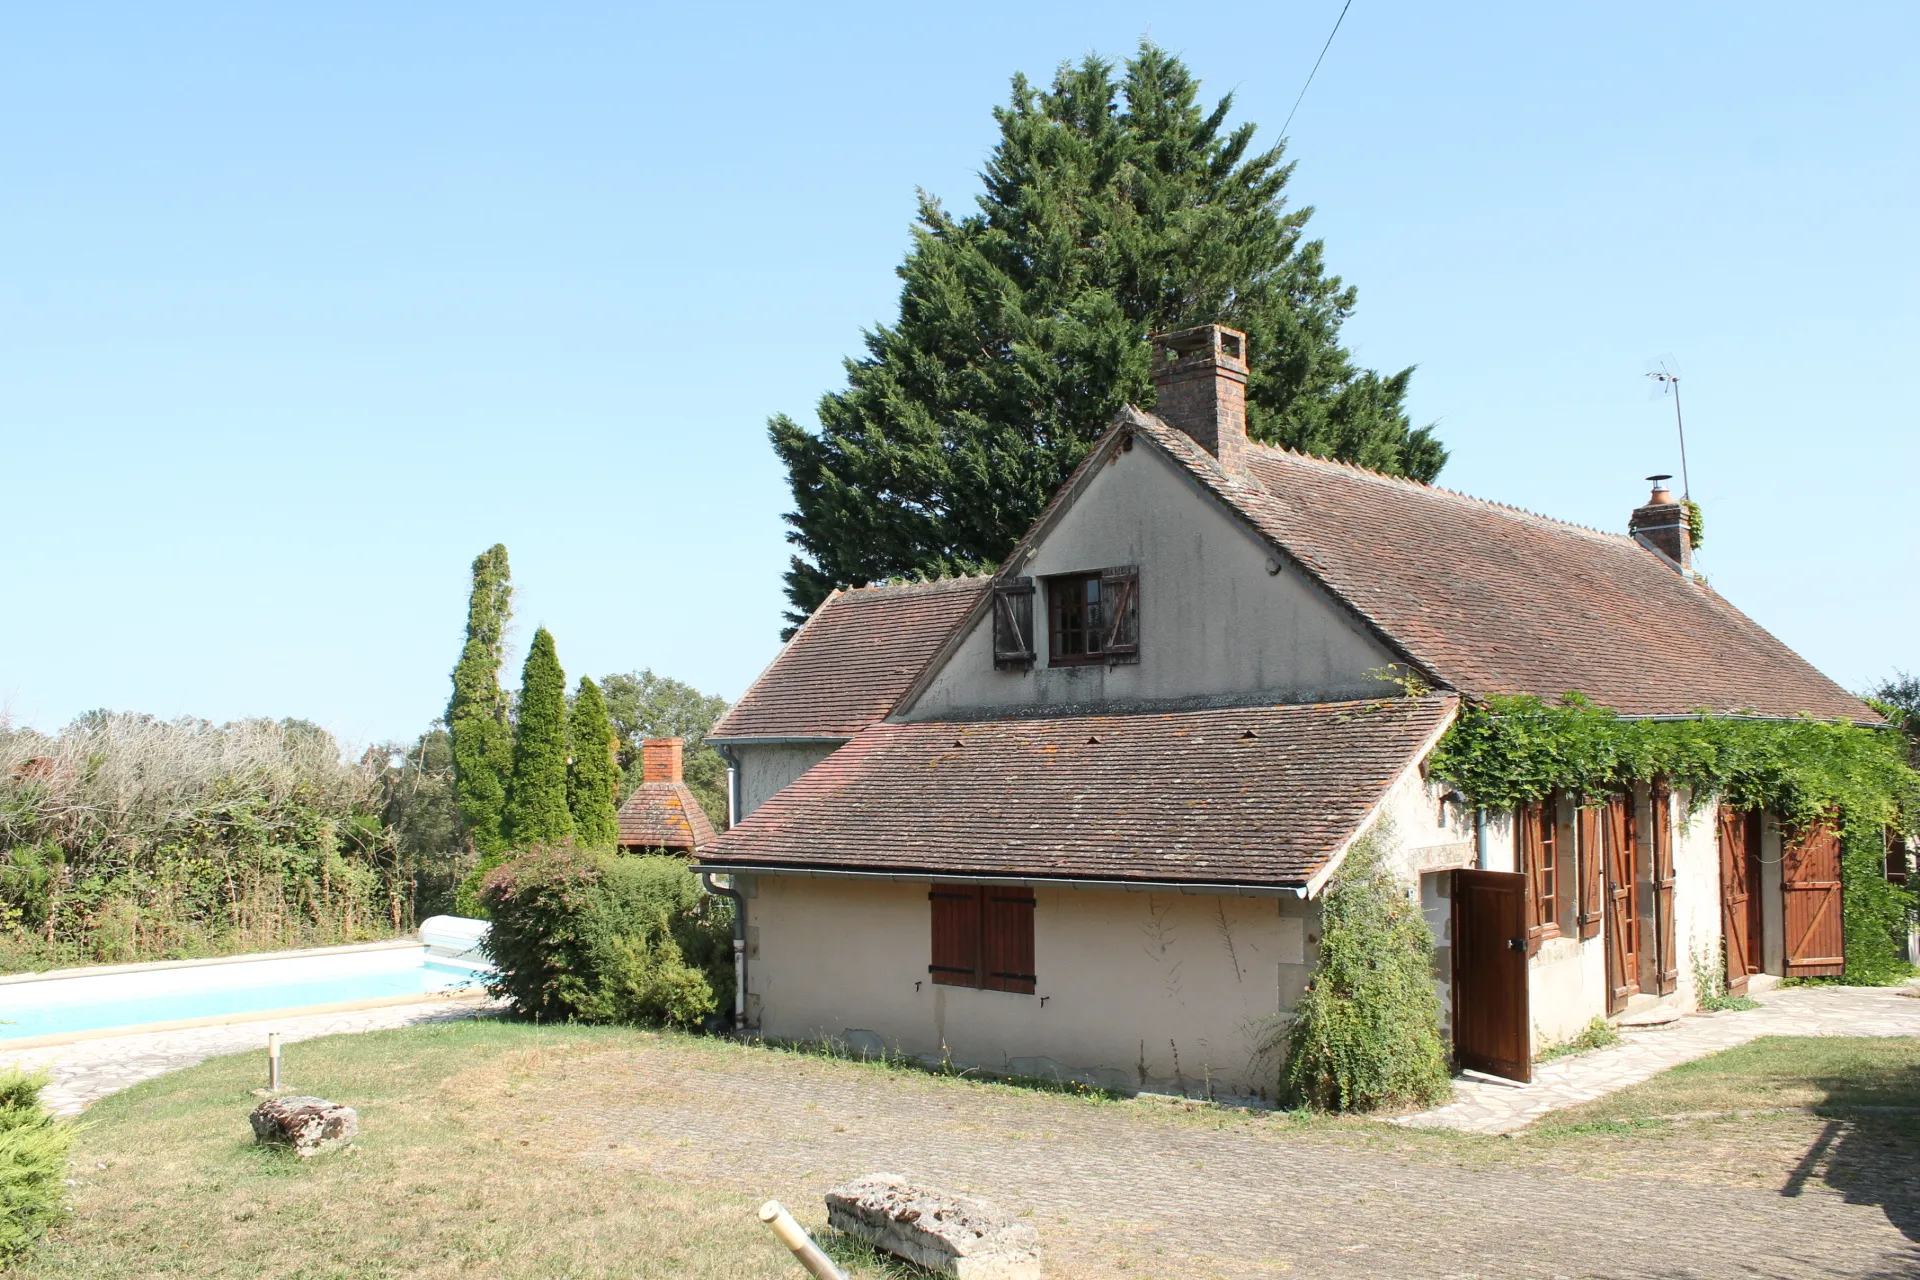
<point x="1093" y="617"/>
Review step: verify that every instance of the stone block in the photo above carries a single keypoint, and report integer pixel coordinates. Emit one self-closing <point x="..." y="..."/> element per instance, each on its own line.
<point x="308" y="1125"/>
<point x="949" y="1235"/>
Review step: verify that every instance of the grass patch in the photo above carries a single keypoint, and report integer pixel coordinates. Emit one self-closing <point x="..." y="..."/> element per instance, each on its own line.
<point x="170" y="1183"/>
<point x="1598" y="1035"/>
<point x="1728" y="1004"/>
<point x="893" y="1060"/>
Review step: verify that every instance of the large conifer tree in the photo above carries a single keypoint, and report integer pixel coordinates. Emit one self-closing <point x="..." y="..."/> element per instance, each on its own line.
<point x="477" y="712"/>
<point x="593" y="783"/>
<point x="537" y="810"/>
<point x="1114" y="207"/>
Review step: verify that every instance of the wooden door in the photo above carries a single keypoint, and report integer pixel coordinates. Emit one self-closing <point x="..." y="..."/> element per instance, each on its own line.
<point x="1810" y="887"/>
<point x="1617" y="840"/>
<point x="1492" y="1028"/>
<point x="1666" y="961"/>
<point x="1739" y="904"/>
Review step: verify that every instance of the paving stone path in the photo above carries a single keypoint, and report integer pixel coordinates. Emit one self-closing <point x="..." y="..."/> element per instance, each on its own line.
<point x="88" y="1070"/>
<point x="1484" y="1104"/>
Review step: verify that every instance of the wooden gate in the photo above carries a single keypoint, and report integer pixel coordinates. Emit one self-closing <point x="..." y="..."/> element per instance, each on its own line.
<point x="1623" y="902"/>
<point x="1810" y="889"/>
<point x="1739" y="904"/>
<point x="1492" y="1028"/>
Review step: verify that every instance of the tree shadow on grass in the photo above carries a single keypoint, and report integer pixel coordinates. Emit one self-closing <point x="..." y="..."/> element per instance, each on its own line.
<point x="1868" y="1148"/>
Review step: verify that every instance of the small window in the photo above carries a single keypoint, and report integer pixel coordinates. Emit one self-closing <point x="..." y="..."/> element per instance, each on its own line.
<point x="1093" y="617"/>
<point x="983" y="937"/>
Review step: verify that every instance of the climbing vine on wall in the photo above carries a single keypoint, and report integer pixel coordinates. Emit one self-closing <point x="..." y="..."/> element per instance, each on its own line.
<point x="1513" y="750"/>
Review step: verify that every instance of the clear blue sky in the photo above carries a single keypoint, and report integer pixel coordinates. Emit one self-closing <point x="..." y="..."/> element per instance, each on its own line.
<point x="302" y="306"/>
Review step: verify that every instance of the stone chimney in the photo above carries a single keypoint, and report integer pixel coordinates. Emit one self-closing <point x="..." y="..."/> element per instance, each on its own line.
<point x="660" y="760"/>
<point x="1202" y="377"/>
<point x="1661" y="525"/>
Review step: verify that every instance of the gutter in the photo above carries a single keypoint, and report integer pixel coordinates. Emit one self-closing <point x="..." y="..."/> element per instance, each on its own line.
<point x="1221" y="890"/>
<point x="739" y="945"/>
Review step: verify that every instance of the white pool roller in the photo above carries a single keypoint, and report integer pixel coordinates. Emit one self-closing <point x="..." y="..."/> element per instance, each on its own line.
<point x="454" y="936"/>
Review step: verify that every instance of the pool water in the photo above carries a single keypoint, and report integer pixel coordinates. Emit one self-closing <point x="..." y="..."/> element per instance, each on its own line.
<point x="96" y="1002"/>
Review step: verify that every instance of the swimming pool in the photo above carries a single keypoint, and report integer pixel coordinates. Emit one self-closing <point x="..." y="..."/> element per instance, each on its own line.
<point x="78" y="1004"/>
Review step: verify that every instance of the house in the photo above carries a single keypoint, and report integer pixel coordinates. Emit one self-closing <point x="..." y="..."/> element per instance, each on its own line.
<point x="1076" y="819"/>
<point x="662" y="812"/>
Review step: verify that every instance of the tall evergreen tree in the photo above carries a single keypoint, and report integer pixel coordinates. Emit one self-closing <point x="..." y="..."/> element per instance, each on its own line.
<point x="537" y="810"/>
<point x="477" y="714"/>
<point x="1114" y="207"/>
<point x="592" y="779"/>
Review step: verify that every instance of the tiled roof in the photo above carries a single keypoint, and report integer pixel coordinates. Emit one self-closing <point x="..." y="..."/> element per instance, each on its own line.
<point x="664" y="815"/>
<point x="1491" y="599"/>
<point x="851" y="662"/>
<point x="1254" y="796"/>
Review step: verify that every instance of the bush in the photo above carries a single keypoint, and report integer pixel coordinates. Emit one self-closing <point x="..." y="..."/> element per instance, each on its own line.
<point x="1366" y="1032"/>
<point x="33" y="1164"/>
<point x="594" y="936"/>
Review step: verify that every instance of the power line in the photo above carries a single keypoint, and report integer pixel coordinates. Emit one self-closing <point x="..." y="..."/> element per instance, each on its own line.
<point x="1316" y="64"/>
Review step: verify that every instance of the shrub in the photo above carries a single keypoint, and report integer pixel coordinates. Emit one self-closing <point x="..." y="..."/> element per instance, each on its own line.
<point x="1366" y="1032"/>
<point x="595" y="936"/>
<point x="33" y="1164"/>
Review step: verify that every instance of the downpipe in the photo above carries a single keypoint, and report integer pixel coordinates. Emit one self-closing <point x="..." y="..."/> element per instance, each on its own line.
<point x="739" y="947"/>
<point x="1480" y="840"/>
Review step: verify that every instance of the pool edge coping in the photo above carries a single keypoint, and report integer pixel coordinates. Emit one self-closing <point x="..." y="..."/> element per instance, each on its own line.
<point x="237" y="1019"/>
<point x="149" y="966"/>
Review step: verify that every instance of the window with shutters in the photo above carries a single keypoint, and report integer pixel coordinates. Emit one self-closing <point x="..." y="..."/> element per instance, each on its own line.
<point x="1540" y="857"/>
<point x="1013" y="623"/>
<point x="1093" y="617"/>
<point x="983" y="937"/>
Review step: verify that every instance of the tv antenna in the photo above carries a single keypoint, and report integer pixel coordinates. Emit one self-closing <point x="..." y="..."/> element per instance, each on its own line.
<point x="1668" y="376"/>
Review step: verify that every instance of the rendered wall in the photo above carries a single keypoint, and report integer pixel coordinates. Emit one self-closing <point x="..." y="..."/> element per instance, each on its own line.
<point x="1153" y="992"/>
<point x="1213" y="621"/>
<point x="766" y="768"/>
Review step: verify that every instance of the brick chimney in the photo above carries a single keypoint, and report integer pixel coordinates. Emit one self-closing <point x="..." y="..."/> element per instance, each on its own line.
<point x="1202" y="377"/>
<point x="1661" y="525"/>
<point x="660" y="760"/>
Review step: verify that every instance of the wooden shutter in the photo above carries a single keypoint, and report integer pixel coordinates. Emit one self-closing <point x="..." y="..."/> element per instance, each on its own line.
<point x="1013" y="623"/>
<point x="1120" y="612"/>
<point x="1589" y="854"/>
<point x="956" y="936"/>
<point x="1667" y="965"/>
<point x="1736" y="896"/>
<point x="1007" y="938"/>
<point x="1538" y="859"/>
<point x="1810" y="885"/>
<point x="1623" y="917"/>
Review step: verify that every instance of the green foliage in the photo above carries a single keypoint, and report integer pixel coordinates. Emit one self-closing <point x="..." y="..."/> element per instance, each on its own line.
<point x="644" y="705"/>
<point x="592" y="782"/>
<point x="1898" y="700"/>
<point x="1366" y="1033"/>
<point x="419" y="805"/>
<point x="1514" y="750"/>
<point x="1598" y="1035"/>
<point x="477" y="713"/>
<point x="1696" y="523"/>
<point x="1114" y="206"/>
<point x="537" y="810"/>
<point x="587" y="935"/>
<point x="33" y="1164"/>
<point x="127" y="838"/>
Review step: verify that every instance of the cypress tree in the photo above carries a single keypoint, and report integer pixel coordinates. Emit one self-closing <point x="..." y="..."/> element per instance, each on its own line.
<point x="592" y="780"/>
<point x="477" y="712"/>
<point x="1114" y="207"/>
<point x="537" y="792"/>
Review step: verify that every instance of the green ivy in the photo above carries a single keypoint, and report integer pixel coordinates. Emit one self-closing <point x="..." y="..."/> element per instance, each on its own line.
<point x="1511" y="751"/>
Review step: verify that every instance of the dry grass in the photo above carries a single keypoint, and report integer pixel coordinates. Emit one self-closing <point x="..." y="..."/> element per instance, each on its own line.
<point x="171" y="1185"/>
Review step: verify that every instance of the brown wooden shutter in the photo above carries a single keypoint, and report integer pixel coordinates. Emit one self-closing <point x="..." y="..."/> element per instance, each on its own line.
<point x="1529" y="830"/>
<point x="1120" y="605"/>
<point x="1810" y="885"/>
<point x="1623" y="922"/>
<point x="956" y="936"/>
<point x="1007" y="939"/>
<point x="1735" y="897"/>
<point x="1667" y="964"/>
<point x="1590" y="854"/>
<point x="1013" y="623"/>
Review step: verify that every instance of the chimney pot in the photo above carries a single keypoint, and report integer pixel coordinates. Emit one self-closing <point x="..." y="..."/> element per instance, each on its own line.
<point x="1201" y="374"/>
<point x="1661" y="525"/>
<point x="660" y="760"/>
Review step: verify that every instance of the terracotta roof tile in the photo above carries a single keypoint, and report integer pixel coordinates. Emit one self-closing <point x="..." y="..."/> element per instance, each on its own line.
<point x="664" y="815"/>
<point x="1492" y="599"/>
<point x="849" y="664"/>
<point x="1258" y="796"/>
